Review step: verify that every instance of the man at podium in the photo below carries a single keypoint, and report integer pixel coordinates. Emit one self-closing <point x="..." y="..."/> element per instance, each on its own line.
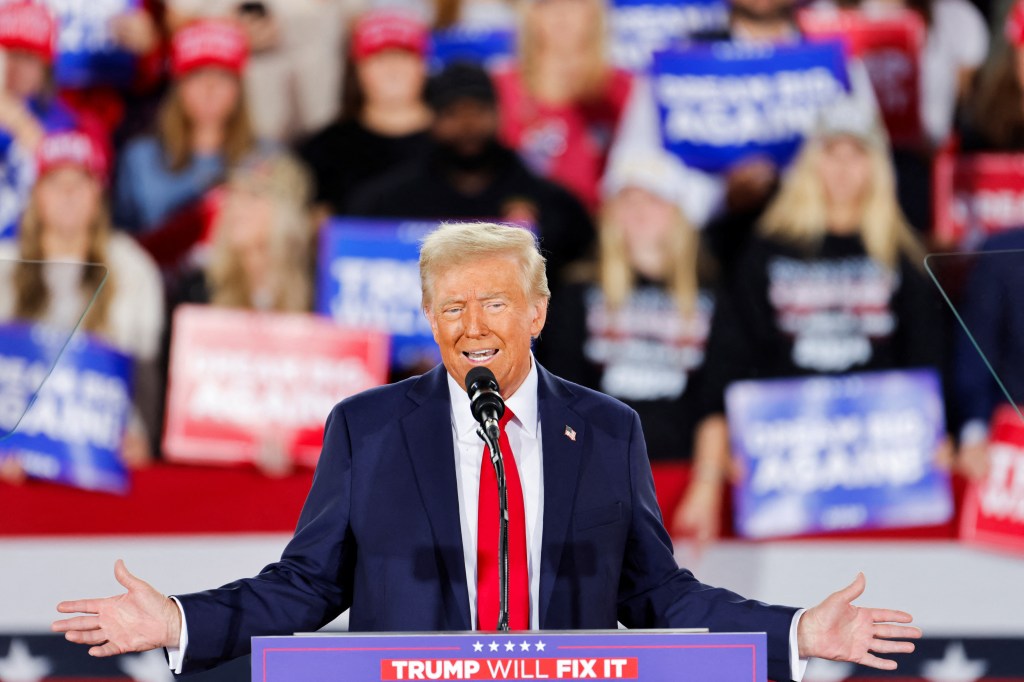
<point x="401" y="523"/>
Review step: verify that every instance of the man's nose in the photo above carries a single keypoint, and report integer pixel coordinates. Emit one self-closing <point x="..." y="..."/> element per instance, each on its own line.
<point x="476" y="326"/>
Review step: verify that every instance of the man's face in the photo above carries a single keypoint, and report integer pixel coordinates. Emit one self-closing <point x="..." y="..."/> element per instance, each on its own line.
<point x="481" y="316"/>
<point x="466" y="126"/>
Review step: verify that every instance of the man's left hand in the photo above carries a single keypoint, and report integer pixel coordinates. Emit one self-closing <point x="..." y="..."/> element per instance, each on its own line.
<point x="837" y="630"/>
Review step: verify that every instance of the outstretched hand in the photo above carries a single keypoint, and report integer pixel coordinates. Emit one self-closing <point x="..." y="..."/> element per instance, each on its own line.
<point x="139" y="620"/>
<point x="837" y="630"/>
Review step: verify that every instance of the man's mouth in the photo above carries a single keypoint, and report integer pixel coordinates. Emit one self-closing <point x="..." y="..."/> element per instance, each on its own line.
<point x="480" y="355"/>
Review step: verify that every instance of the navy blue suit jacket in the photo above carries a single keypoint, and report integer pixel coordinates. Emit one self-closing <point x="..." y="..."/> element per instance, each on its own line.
<point x="380" y="534"/>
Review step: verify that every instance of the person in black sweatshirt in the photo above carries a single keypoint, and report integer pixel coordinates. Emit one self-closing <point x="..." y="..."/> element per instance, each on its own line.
<point x="635" y="324"/>
<point x="467" y="173"/>
<point x="833" y="281"/>
<point x="384" y="118"/>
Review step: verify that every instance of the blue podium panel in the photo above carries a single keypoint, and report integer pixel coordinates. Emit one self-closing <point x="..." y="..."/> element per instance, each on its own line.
<point x="648" y="655"/>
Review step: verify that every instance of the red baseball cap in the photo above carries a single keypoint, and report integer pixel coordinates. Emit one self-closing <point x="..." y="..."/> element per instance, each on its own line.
<point x="1015" y="25"/>
<point x="30" y="27"/>
<point x="209" y="43"/>
<point x="383" y="29"/>
<point x="72" y="148"/>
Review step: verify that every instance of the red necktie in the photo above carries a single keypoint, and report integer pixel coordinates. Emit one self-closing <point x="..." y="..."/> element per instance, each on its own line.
<point x="487" y="585"/>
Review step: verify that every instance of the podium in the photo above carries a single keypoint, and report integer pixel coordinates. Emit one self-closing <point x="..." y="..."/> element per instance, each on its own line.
<point x="646" y="655"/>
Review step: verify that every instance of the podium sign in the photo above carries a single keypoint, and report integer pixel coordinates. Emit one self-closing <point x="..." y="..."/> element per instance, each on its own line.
<point x="648" y="655"/>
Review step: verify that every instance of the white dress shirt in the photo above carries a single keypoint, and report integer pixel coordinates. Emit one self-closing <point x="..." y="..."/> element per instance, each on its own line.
<point x="524" y="438"/>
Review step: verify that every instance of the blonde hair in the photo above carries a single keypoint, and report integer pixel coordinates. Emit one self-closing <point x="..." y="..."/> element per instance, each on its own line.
<point x="174" y="130"/>
<point x="618" y="278"/>
<point x="799" y="213"/>
<point x="31" y="294"/>
<point x="283" y="181"/>
<point x="455" y="244"/>
<point x="591" y="81"/>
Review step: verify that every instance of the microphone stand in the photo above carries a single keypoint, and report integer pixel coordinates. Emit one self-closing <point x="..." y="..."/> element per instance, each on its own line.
<point x="491" y="436"/>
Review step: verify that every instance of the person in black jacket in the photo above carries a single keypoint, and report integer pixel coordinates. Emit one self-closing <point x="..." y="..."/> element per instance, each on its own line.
<point x="467" y="173"/>
<point x="991" y="311"/>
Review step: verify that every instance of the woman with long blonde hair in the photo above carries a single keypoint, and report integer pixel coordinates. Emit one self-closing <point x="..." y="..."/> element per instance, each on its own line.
<point x="833" y="282"/>
<point x="65" y="226"/>
<point x="203" y="129"/>
<point x="260" y="257"/>
<point x="635" y="325"/>
<point x="561" y="101"/>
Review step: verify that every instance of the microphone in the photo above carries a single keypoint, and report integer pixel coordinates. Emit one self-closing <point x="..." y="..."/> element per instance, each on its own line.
<point x="488" y="407"/>
<point x="485" y="400"/>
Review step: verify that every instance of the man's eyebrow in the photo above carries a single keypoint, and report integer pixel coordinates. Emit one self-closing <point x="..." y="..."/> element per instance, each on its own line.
<point x="450" y="300"/>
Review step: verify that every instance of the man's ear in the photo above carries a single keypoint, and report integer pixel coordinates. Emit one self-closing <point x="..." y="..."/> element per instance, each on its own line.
<point x="540" y="316"/>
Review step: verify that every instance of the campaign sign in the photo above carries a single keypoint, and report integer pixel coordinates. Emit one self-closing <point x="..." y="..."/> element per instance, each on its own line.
<point x="639" y="28"/>
<point x="489" y="48"/>
<point x="17" y="177"/>
<point x="368" y="276"/>
<point x="87" y="54"/>
<point x="976" y="196"/>
<point x="648" y="655"/>
<point x="724" y="102"/>
<point x="835" y="453"/>
<point x="74" y="424"/>
<point x="243" y="381"/>
<point x="889" y="45"/>
<point x="993" y="512"/>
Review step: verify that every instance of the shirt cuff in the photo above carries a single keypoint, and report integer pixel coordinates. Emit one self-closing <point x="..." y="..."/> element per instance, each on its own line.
<point x="797" y="665"/>
<point x="176" y="655"/>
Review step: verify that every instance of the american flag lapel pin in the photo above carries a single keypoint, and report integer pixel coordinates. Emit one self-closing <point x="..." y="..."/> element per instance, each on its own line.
<point x="570" y="433"/>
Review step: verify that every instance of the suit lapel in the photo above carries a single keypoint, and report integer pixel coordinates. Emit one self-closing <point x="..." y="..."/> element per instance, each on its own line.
<point x="427" y="431"/>
<point x="563" y="449"/>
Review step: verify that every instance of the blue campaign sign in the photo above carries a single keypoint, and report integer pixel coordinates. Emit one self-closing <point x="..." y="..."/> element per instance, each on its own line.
<point x="368" y="276"/>
<point x="87" y="54"/>
<point x="654" y="656"/>
<point x="72" y="430"/>
<point x="836" y="453"/>
<point x="724" y="102"/>
<point x="639" y="28"/>
<point x="489" y="48"/>
<point x="18" y="165"/>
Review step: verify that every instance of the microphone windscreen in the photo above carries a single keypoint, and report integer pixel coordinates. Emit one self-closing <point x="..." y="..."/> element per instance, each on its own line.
<point x="480" y="377"/>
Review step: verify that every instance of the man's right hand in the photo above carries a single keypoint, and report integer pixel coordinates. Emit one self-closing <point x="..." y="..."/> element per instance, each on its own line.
<point x="139" y="620"/>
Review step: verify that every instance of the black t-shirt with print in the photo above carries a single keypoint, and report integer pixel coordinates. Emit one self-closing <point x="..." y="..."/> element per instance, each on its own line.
<point x="646" y="353"/>
<point x="828" y="311"/>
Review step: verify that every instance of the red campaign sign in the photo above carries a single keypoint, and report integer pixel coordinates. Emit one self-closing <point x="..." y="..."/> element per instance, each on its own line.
<point x="976" y="196"/>
<point x="889" y="45"/>
<point x="242" y="382"/>
<point x="510" y="669"/>
<point x="993" y="511"/>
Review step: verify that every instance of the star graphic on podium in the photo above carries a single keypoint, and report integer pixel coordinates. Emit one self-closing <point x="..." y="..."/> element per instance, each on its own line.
<point x="477" y="646"/>
<point x="493" y="646"/>
<point x="19" y="665"/>
<point x="509" y="646"/>
<point x="954" y="666"/>
<point x="539" y="646"/>
<point x="525" y="646"/>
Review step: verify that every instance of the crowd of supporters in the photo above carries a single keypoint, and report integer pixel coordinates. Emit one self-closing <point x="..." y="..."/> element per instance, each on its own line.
<point x="207" y="175"/>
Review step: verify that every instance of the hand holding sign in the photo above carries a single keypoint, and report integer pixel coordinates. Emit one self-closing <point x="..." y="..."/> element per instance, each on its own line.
<point x="139" y="620"/>
<point x="837" y="630"/>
